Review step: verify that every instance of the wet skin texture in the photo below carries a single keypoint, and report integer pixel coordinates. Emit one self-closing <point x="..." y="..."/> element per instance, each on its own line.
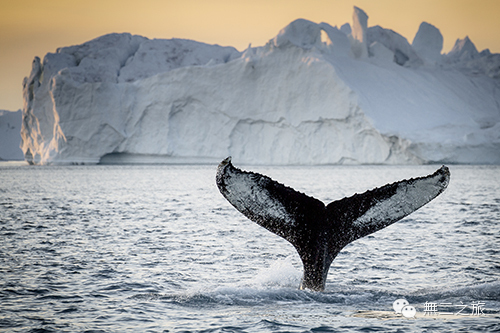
<point x="320" y="232"/>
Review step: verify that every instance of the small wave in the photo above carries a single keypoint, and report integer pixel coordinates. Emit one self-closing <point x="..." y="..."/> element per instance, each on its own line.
<point x="60" y="297"/>
<point x="279" y="282"/>
<point x="242" y="296"/>
<point x="489" y="291"/>
<point x="354" y="298"/>
<point x="249" y="296"/>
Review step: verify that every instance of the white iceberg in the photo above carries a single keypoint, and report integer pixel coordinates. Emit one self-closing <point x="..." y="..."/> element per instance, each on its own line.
<point x="428" y="43"/>
<point x="312" y="95"/>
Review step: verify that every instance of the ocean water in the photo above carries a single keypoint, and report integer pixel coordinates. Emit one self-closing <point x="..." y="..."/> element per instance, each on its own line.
<point x="158" y="249"/>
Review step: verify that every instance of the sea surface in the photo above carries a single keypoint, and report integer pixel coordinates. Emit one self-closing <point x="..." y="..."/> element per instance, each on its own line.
<point x="156" y="248"/>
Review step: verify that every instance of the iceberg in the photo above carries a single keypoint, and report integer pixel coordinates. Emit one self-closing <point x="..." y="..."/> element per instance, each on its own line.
<point x="428" y="43"/>
<point x="314" y="94"/>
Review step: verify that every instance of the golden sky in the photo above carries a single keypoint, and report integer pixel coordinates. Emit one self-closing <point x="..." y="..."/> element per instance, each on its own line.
<point x="30" y="28"/>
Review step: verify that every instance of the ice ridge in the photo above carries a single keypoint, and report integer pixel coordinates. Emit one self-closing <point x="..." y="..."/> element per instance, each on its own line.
<point x="314" y="94"/>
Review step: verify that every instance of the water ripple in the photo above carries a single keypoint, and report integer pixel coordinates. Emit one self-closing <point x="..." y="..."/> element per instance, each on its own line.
<point x="156" y="248"/>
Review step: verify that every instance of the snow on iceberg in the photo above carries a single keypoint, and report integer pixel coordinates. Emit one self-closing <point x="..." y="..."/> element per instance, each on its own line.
<point x="311" y="95"/>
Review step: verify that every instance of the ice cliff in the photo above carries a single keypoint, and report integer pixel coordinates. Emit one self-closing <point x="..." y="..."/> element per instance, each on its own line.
<point x="314" y="94"/>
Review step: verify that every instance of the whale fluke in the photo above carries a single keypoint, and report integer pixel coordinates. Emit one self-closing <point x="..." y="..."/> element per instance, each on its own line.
<point x="320" y="232"/>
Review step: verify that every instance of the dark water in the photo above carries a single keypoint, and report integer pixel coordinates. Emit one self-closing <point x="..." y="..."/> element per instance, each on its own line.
<point x="157" y="248"/>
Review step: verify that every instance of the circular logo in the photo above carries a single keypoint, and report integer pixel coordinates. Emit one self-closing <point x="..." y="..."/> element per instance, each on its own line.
<point x="409" y="311"/>
<point x="399" y="304"/>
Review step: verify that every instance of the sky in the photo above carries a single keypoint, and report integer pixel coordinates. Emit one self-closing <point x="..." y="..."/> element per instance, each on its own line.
<point x="30" y="28"/>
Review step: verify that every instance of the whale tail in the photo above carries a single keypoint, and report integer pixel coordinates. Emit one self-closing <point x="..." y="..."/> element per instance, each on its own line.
<point x="320" y="232"/>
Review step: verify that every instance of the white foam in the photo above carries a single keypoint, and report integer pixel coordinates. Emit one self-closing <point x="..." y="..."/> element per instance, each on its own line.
<point x="281" y="273"/>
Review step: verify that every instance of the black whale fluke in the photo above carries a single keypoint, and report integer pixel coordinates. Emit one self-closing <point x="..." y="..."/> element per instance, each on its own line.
<point x="319" y="232"/>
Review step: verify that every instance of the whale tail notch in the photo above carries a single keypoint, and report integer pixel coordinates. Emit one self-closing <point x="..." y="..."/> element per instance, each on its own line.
<point x="319" y="232"/>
